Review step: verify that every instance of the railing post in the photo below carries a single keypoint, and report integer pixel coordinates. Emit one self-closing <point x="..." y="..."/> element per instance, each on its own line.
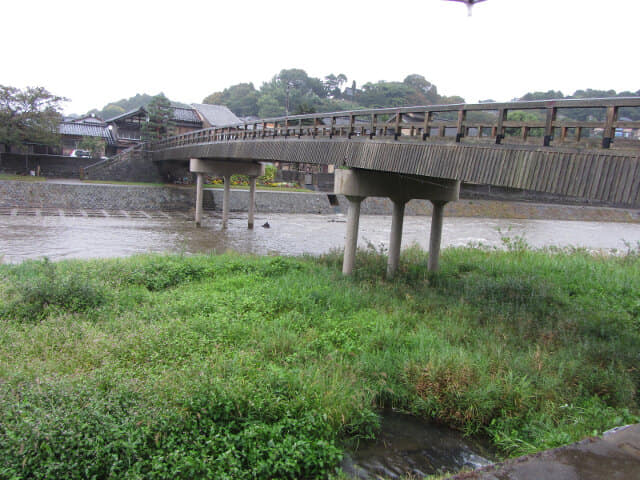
<point x="426" y="128"/>
<point x="398" y="132"/>
<point x="609" y="129"/>
<point x="548" y="128"/>
<point x="462" y="115"/>
<point x="499" y="131"/>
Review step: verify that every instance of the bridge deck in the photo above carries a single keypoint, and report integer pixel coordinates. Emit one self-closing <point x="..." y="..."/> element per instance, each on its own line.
<point x="547" y="151"/>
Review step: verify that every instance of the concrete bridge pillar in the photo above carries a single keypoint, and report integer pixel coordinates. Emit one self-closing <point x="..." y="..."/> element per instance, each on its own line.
<point x="351" y="243"/>
<point x="199" y="182"/>
<point x="435" y="238"/>
<point x="225" y="200"/>
<point x="224" y="169"/>
<point x="252" y="199"/>
<point x="395" y="241"/>
<point x="358" y="184"/>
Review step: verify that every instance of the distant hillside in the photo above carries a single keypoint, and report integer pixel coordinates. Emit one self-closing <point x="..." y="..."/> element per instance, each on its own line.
<point x="113" y="109"/>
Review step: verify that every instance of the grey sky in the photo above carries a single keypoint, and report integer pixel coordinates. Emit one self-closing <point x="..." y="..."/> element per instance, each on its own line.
<point x="95" y="52"/>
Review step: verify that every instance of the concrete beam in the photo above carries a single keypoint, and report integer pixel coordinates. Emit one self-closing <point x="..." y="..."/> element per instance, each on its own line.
<point x="221" y="168"/>
<point x="367" y="183"/>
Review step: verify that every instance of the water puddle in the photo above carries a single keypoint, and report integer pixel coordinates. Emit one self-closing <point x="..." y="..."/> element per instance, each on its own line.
<point x="407" y="447"/>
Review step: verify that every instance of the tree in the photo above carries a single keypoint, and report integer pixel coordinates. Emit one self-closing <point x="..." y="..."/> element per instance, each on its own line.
<point x="333" y="84"/>
<point x="426" y="92"/>
<point x="158" y="125"/>
<point x="31" y="115"/>
<point x="95" y="145"/>
<point x="241" y="99"/>
<point x="111" y="111"/>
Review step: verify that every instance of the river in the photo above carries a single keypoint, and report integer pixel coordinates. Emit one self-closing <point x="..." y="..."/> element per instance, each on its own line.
<point x="64" y="234"/>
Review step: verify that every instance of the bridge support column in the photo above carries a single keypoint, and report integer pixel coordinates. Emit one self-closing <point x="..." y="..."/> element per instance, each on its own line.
<point x="435" y="238"/>
<point x="225" y="201"/>
<point x="395" y="241"/>
<point x="226" y="168"/>
<point x="252" y="199"/>
<point x="358" y="184"/>
<point x="199" y="182"/>
<point x="351" y="243"/>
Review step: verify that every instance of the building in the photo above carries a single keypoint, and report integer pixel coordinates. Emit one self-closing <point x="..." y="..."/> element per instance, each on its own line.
<point x="127" y="128"/>
<point x="73" y="131"/>
<point x="215" y="115"/>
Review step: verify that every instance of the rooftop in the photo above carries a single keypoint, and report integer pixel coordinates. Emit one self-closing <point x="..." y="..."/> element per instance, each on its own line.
<point x="215" y="115"/>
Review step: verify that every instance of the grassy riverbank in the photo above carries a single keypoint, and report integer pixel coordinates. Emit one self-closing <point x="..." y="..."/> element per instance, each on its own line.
<point x="244" y="367"/>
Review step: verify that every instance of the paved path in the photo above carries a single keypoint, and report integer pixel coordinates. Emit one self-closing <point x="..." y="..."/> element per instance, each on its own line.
<point x="614" y="456"/>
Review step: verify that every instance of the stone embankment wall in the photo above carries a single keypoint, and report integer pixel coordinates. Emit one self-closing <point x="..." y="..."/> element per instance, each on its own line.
<point x="52" y="166"/>
<point x="93" y="196"/>
<point x="122" y="197"/>
<point x="129" y="166"/>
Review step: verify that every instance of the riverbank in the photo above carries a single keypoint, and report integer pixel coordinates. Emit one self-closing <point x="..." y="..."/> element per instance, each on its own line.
<point x="92" y="196"/>
<point x="259" y="367"/>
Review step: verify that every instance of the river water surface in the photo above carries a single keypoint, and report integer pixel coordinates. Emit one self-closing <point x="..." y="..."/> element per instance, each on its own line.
<point x="57" y="234"/>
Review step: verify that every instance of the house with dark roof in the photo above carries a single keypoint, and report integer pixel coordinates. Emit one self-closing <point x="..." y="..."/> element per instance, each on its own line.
<point x="72" y="132"/>
<point x="127" y="127"/>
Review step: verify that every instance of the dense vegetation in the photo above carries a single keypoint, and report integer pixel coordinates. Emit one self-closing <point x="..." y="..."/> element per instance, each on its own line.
<point x="293" y="91"/>
<point x="265" y="367"/>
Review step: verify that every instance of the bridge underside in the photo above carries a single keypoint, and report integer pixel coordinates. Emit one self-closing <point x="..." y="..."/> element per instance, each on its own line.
<point x="611" y="177"/>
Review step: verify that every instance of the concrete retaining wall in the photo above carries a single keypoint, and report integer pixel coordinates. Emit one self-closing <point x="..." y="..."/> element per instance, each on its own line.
<point x="121" y="197"/>
<point x="92" y="196"/>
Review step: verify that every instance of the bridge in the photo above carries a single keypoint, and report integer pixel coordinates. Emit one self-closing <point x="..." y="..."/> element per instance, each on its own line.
<point x="586" y="150"/>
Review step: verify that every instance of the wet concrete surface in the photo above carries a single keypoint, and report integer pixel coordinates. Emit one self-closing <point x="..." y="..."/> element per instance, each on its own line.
<point x="614" y="456"/>
<point x="29" y="233"/>
<point x="408" y="446"/>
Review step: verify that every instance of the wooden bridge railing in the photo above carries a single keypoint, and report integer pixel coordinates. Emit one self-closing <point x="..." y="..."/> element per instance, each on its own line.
<point x="545" y="123"/>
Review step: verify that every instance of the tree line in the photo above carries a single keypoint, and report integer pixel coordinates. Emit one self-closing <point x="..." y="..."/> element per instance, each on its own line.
<point x="293" y="92"/>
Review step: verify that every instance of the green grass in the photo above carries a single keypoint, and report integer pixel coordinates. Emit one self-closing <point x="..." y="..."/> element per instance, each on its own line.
<point x="114" y="182"/>
<point x="262" y="187"/>
<point x="22" y="178"/>
<point x="266" y="367"/>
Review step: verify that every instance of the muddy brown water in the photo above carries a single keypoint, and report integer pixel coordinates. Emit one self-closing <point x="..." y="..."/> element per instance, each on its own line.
<point x="63" y="234"/>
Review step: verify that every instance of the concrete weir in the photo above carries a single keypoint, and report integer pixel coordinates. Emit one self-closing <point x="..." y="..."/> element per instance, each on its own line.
<point x="358" y="184"/>
<point x="225" y="169"/>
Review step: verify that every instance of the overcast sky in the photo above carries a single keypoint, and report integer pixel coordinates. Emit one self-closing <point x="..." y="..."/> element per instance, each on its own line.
<point x="94" y="52"/>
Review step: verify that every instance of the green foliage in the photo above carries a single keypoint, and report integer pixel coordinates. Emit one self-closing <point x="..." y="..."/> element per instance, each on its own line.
<point x="234" y="366"/>
<point x="293" y="91"/>
<point x="93" y="144"/>
<point x="241" y="99"/>
<point x="48" y="290"/>
<point x="31" y="115"/>
<point x="158" y="125"/>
